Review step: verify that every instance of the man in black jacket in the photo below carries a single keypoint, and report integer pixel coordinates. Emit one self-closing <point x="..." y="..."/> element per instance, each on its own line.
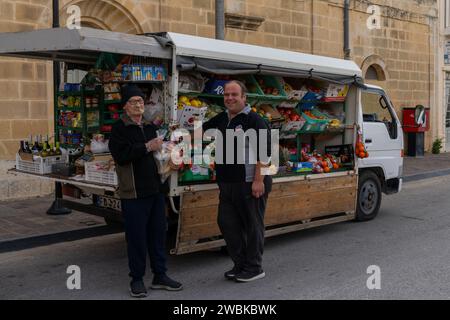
<point x="132" y="143"/>
<point x="243" y="187"/>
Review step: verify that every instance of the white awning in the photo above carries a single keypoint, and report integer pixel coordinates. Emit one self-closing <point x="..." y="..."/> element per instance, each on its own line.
<point x="206" y="48"/>
<point x="78" y="46"/>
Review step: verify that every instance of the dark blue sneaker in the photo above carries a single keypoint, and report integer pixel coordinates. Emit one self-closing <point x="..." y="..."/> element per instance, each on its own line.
<point x="164" y="282"/>
<point x="137" y="289"/>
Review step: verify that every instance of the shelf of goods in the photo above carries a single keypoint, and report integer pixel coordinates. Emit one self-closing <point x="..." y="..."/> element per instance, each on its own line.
<point x="298" y="111"/>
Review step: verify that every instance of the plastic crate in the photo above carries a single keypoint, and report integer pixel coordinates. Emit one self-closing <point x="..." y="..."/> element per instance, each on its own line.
<point x="310" y="100"/>
<point x="93" y="174"/>
<point x="271" y="82"/>
<point x="39" y="165"/>
<point x="314" y="124"/>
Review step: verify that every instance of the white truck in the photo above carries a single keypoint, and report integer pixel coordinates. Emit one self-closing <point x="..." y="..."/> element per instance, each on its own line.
<point x="298" y="201"/>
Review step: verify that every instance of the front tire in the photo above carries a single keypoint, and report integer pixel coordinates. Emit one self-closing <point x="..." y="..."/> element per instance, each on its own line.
<point x="369" y="196"/>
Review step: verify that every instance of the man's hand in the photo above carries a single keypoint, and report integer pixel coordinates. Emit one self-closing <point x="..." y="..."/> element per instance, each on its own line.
<point x="258" y="189"/>
<point x="154" y="145"/>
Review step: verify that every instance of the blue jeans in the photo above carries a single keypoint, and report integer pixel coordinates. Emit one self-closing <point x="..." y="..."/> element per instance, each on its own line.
<point x="145" y="228"/>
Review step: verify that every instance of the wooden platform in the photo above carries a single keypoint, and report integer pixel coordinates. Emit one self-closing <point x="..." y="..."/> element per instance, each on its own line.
<point x="291" y="206"/>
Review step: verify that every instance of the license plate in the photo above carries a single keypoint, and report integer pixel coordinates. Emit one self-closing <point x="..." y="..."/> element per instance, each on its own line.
<point x="110" y="203"/>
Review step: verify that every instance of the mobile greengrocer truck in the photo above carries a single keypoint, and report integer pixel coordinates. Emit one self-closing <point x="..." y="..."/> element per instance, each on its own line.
<point x="340" y="141"/>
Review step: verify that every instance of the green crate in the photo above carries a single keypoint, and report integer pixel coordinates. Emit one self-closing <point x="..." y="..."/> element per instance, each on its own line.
<point x="189" y="176"/>
<point x="314" y="124"/>
<point x="272" y="82"/>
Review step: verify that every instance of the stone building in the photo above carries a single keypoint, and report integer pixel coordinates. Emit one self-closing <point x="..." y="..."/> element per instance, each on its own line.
<point x="400" y="55"/>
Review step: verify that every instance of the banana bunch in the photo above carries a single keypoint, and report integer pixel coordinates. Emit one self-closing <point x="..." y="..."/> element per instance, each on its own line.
<point x="335" y="123"/>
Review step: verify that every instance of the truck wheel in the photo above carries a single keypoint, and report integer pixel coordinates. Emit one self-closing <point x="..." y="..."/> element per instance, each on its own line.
<point x="369" y="196"/>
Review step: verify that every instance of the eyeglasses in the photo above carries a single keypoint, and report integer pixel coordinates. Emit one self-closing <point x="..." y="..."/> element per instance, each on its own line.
<point x="136" y="102"/>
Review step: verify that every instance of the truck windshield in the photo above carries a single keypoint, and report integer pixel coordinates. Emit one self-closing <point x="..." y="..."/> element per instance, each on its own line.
<point x="376" y="109"/>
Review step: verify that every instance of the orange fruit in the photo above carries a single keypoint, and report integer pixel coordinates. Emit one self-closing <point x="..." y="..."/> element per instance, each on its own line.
<point x="326" y="169"/>
<point x="335" y="166"/>
<point x="366" y="154"/>
<point x="362" y="155"/>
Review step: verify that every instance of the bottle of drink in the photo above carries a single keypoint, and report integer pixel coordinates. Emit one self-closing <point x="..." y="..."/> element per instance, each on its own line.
<point x="22" y="146"/>
<point x="58" y="150"/>
<point x="50" y="150"/>
<point x="35" y="149"/>
<point x="44" y="152"/>
<point x="27" y="147"/>
<point x="40" y="144"/>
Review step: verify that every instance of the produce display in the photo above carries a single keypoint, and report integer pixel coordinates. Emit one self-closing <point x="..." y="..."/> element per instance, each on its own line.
<point x="70" y="119"/>
<point x="68" y="101"/>
<point x="294" y="106"/>
<point x="360" y="148"/>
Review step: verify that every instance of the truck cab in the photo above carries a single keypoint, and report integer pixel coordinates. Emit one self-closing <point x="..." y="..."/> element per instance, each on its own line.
<point x="382" y="135"/>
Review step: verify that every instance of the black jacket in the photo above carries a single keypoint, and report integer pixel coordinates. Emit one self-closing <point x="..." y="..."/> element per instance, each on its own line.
<point x="247" y="119"/>
<point x="135" y="166"/>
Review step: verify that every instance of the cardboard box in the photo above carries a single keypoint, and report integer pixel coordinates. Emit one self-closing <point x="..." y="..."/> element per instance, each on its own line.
<point x="335" y="92"/>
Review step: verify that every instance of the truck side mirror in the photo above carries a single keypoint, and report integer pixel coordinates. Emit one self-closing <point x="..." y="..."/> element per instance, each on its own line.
<point x="383" y="103"/>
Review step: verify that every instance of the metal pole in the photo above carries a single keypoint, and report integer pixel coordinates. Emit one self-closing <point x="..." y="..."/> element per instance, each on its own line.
<point x="56" y="207"/>
<point x="347" y="49"/>
<point x="220" y="20"/>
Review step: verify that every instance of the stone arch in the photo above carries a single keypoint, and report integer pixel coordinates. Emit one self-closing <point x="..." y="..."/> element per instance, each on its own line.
<point x="374" y="68"/>
<point x="94" y="23"/>
<point x="104" y="14"/>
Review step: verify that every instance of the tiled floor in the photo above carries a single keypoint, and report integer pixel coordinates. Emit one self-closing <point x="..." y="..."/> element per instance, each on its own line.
<point x="24" y="218"/>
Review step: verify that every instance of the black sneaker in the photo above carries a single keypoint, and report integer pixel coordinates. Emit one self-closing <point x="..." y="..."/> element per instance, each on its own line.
<point x="137" y="289"/>
<point x="164" y="282"/>
<point x="231" y="274"/>
<point x="246" y="276"/>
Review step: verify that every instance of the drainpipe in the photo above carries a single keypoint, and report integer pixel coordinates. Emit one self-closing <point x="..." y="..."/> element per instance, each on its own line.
<point x="347" y="49"/>
<point x="55" y="13"/>
<point x="220" y="20"/>
<point x="57" y="207"/>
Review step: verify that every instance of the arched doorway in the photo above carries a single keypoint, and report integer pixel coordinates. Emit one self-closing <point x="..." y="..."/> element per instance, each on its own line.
<point x="104" y="14"/>
<point x="374" y="70"/>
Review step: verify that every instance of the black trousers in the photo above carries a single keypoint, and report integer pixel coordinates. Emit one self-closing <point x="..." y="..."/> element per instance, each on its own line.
<point x="241" y="221"/>
<point x="145" y="228"/>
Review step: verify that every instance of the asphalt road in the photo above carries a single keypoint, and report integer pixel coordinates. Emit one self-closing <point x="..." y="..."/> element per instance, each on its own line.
<point x="409" y="241"/>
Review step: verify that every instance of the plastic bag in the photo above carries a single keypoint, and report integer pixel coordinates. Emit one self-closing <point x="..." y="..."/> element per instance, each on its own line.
<point x="154" y="113"/>
<point x="154" y="108"/>
<point x="98" y="146"/>
<point x="193" y="82"/>
<point x="162" y="159"/>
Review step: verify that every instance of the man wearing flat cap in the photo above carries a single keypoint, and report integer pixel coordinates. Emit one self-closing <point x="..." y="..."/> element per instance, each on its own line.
<point x="132" y="143"/>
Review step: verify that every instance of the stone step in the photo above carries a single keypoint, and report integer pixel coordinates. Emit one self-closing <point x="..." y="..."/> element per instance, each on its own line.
<point x="15" y="186"/>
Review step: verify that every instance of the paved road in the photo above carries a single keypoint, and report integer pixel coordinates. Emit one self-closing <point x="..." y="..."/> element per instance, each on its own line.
<point x="409" y="241"/>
